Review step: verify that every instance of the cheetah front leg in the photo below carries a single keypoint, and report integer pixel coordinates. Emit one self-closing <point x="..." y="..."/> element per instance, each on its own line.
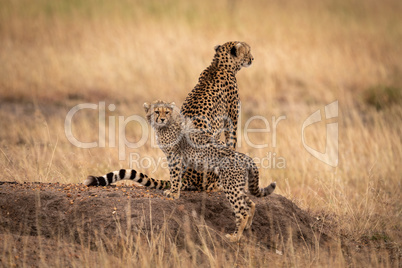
<point x="230" y="124"/>
<point x="176" y="172"/>
<point x="230" y="134"/>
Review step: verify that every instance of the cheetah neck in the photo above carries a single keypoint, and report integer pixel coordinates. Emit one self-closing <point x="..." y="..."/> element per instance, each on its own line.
<point x="230" y="66"/>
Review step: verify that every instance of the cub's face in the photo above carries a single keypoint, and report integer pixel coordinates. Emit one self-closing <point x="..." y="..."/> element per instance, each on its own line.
<point x="159" y="113"/>
<point x="162" y="115"/>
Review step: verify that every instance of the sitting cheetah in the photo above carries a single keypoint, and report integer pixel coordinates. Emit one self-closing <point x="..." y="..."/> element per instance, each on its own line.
<point x="188" y="147"/>
<point x="213" y="105"/>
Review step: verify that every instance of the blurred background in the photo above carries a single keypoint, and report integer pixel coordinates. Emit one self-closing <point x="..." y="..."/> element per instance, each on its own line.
<point x="55" y="54"/>
<point x="307" y="52"/>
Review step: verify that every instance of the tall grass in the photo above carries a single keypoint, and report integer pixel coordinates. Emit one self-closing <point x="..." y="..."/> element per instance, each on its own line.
<point x="57" y="54"/>
<point x="141" y="249"/>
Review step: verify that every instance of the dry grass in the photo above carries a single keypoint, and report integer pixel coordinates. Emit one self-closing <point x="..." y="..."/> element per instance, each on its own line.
<point x="57" y="54"/>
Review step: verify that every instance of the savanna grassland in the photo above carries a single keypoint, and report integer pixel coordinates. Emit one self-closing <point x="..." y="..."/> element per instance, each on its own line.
<point x="116" y="55"/>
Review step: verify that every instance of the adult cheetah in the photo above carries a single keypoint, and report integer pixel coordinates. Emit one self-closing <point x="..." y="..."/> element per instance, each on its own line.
<point x="213" y="106"/>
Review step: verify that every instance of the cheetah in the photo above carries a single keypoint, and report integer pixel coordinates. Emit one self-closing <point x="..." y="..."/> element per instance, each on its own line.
<point x="213" y="106"/>
<point x="186" y="146"/>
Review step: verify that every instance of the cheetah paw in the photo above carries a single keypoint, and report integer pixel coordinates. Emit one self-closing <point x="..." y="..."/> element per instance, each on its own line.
<point x="232" y="237"/>
<point x="169" y="194"/>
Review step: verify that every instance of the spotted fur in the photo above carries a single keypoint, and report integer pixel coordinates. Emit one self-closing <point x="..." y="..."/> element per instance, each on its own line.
<point x="213" y="106"/>
<point x="186" y="146"/>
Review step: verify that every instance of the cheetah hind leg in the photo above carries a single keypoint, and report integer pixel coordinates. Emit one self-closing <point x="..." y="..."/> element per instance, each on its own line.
<point x="235" y="237"/>
<point x="251" y="205"/>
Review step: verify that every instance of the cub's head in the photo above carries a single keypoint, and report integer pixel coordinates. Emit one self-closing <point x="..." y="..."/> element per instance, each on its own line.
<point x="159" y="113"/>
<point x="233" y="55"/>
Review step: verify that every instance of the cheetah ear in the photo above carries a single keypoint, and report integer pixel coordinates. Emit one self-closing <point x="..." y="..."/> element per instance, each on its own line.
<point x="172" y="105"/>
<point x="147" y="106"/>
<point x="235" y="49"/>
<point x="216" y="48"/>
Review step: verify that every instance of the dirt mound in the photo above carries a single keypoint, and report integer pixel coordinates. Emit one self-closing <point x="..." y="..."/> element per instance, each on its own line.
<point x="80" y="213"/>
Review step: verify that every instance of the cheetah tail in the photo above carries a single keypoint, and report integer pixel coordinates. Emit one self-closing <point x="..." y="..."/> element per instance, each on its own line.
<point x="267" y="190"/>
<point x="253" y="183"/>
<point x="126" y="174"/>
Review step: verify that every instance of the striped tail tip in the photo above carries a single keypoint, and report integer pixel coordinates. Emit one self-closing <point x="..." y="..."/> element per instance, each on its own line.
<point x="269" y="189"/>
<point x="91" y="181"/>
<point x="272" y="186"/>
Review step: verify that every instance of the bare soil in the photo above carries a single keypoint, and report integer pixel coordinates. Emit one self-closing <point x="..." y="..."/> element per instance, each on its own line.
<point x="33" y="214"/>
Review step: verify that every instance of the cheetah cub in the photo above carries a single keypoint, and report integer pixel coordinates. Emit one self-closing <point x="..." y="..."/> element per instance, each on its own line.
<point x="186" y="147"/>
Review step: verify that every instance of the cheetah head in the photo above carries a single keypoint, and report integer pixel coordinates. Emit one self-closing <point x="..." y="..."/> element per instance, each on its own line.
<point x="233" y="55"/>
<point x="159" y="113"/>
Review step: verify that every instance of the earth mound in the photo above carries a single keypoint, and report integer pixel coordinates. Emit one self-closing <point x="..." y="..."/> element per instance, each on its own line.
<point x="74" y="211"/>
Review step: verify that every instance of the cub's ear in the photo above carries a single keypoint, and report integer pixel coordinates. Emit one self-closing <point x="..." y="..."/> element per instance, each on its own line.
<point x="216" y="48"/>
<point x="235" y="49"/>
<point x="147" y="106"/>
<point x="172" y="105"/>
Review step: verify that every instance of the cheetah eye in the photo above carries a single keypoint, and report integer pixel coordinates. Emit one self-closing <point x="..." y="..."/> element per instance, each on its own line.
<point x="167" y="112"/>
<point x="157" y="112"/>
